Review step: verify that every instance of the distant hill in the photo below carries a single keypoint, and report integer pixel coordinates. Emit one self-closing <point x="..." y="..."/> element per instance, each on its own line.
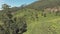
<point x="44" y="4"/>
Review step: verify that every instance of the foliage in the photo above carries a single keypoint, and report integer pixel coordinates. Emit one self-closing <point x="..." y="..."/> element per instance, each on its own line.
<point x="41" y="25"/>
<point x="12" y="25"/>
<point x="31" y="20"/>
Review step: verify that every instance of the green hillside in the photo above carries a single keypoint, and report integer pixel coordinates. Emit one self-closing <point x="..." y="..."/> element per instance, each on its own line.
<point x="30" y="19"/>
<point x="37" y="24"/>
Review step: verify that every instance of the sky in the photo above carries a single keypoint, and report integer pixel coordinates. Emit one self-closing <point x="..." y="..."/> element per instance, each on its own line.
<point x="17" y="3"/>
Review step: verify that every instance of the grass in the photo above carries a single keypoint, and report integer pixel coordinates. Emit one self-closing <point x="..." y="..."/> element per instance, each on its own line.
<point x="40" y="25"/>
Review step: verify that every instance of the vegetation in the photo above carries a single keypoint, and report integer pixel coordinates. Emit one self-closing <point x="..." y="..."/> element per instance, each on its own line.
<point x="31" y="19"/>
<point x="41" y="4"/>
<point x="12" y="25"/>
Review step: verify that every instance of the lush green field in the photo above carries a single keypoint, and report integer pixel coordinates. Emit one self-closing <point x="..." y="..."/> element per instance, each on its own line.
<point x="37" y="24"/>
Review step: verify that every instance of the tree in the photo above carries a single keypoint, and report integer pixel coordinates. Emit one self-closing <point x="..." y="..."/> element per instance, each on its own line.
<point x="5" y="6"/>
<point x="12" y="25"/>
<point x="43" y="14"/>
